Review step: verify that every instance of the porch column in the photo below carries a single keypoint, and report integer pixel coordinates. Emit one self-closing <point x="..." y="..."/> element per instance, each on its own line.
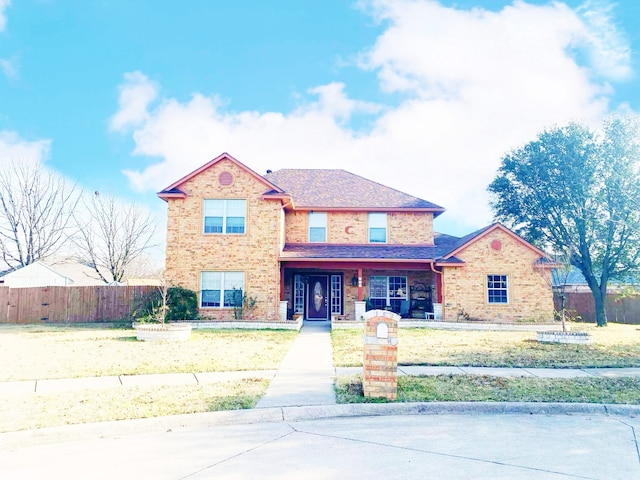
<point x="281" y="283"/>
<point x="359" y="284"/>
<point x="439" y="287"/>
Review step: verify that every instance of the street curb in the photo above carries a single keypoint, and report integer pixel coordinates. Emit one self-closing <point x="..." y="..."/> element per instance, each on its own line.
<point x="168" y="424"/>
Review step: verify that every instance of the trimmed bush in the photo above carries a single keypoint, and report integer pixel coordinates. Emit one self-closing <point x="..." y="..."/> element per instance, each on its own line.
<point x="182" y="304"/>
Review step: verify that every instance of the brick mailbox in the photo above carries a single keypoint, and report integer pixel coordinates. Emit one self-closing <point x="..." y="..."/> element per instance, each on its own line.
<point x="380" y="366"/>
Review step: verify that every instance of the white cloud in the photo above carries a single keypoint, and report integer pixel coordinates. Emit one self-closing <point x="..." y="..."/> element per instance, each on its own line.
<point x="4" y="4"/>
<point x="135" y="96"/>
<point x="8" y="68"/>
<point x="474" y="84"/>
<point x="14" y="148"/>
<point x="610" y="53"/>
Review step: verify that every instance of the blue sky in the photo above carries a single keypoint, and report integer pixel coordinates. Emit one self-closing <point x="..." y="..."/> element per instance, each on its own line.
<point x="125" y="97"/>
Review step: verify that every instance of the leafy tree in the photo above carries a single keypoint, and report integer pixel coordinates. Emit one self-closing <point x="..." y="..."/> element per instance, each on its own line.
<point x="36" y="208"/>
<point x="577" y="191"/>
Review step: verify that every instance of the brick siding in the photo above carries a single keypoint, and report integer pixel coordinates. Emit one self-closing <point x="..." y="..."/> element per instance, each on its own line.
<point x="190" y="251"/>
<point x="408" y="228"/>
<point x="465" y="288"/>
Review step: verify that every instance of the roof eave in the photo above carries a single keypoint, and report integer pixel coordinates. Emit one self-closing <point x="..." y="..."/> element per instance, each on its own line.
<point x="284" y="198"/>
<point x="166" y="196"/>
<point x="319" y="208"/>
<point x="450" y="264"/>
<point x="354" y="259"/>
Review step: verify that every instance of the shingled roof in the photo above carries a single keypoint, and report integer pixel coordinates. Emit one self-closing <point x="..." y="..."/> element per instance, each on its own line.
<point x="413" y="253"/>
<point x="334" y="189"/>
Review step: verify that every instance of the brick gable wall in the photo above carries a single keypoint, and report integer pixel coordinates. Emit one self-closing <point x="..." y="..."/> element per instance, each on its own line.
<point x="465" y="288"/>
<point x="190" y="251"/>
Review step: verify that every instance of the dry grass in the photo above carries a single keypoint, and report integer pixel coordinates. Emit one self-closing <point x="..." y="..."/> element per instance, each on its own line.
<point x="29" y="411"/>
<point x="612" y="346"/>
<point x="482" y="388"/>
<point x="44" y="352"/>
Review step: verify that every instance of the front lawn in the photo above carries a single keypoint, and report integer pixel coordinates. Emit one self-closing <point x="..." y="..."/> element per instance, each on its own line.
<point x="613" y="346"/>
<point x="45" y="352"/>
<point x="33" y="410"/>
<point x="477" y="388"/>
<point x="42" y="352"/>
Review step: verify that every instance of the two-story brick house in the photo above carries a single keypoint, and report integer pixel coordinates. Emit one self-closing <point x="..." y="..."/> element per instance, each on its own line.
<point x="322" y="240"/>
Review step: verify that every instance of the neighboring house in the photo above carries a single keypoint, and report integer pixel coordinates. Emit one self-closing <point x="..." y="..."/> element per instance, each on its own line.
<point x="622" y="302"/>
<point x="324" y="241"/>
<point x="45" y="274"/>
<point x="63" y="272"/>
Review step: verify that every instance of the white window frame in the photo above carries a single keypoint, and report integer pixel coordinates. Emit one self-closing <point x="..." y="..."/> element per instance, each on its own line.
<point x="336" y="294"/>
<point x="317" y="223"/>
<point x="377" y="221"/>
<point x="298" y="294"/>
<point x="494" y="284"/>
<point x="389" y="294"/>
<point x="224" y="209"/>
<point x="225" y="282"/>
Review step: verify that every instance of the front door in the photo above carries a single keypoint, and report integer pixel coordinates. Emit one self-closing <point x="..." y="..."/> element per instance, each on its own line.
<point x="317" y="297"/>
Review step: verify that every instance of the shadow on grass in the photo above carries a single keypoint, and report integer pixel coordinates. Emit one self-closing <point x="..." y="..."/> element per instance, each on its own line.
<point x="127" y="339"/>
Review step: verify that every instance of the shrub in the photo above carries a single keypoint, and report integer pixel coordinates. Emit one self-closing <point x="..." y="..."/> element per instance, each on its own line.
<point x="181" y="304"/>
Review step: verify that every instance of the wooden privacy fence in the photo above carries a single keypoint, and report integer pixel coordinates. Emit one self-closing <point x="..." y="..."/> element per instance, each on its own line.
<point x="68" y="304"/>
<point x="621" y="310"/>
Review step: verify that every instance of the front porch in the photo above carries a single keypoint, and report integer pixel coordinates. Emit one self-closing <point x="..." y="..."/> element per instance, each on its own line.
<point x="342" y="293"/>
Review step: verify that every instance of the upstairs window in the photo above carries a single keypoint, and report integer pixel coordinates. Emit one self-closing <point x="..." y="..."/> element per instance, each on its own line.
<point x="377" y="228"/>
<point x="225" y="216"/>
<point x="317" y="227"/>
<point x="497" y="289"/>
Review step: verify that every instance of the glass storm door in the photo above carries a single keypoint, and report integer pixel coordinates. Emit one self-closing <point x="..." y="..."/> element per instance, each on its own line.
<point x="317" y="297"/>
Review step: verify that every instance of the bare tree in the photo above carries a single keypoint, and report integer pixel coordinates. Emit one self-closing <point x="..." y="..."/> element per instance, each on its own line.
<point x="36" y="209"/>
<point x="112" y="236"/>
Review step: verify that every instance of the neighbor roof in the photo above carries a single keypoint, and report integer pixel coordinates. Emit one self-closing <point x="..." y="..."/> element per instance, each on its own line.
<point x="336" y="189"/>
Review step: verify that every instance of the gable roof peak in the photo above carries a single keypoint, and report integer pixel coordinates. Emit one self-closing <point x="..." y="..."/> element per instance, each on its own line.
<point x="467" y="240"/>
<point x="173" y="190"/>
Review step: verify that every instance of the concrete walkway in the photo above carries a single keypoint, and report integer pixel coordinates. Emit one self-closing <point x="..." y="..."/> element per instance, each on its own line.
<point x="305" y="376"/>
<point x="283" y="393"/>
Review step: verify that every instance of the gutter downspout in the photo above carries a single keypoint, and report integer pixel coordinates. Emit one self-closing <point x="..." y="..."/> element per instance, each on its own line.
<point x="439" y="286"/>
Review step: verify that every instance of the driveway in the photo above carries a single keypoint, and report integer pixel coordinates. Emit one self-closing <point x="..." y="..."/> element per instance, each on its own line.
<point x="445" y="446"/>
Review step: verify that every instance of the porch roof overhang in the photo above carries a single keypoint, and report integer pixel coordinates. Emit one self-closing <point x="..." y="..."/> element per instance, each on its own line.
<point x="362" y="256"/>
<point x="338" y="252"/>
